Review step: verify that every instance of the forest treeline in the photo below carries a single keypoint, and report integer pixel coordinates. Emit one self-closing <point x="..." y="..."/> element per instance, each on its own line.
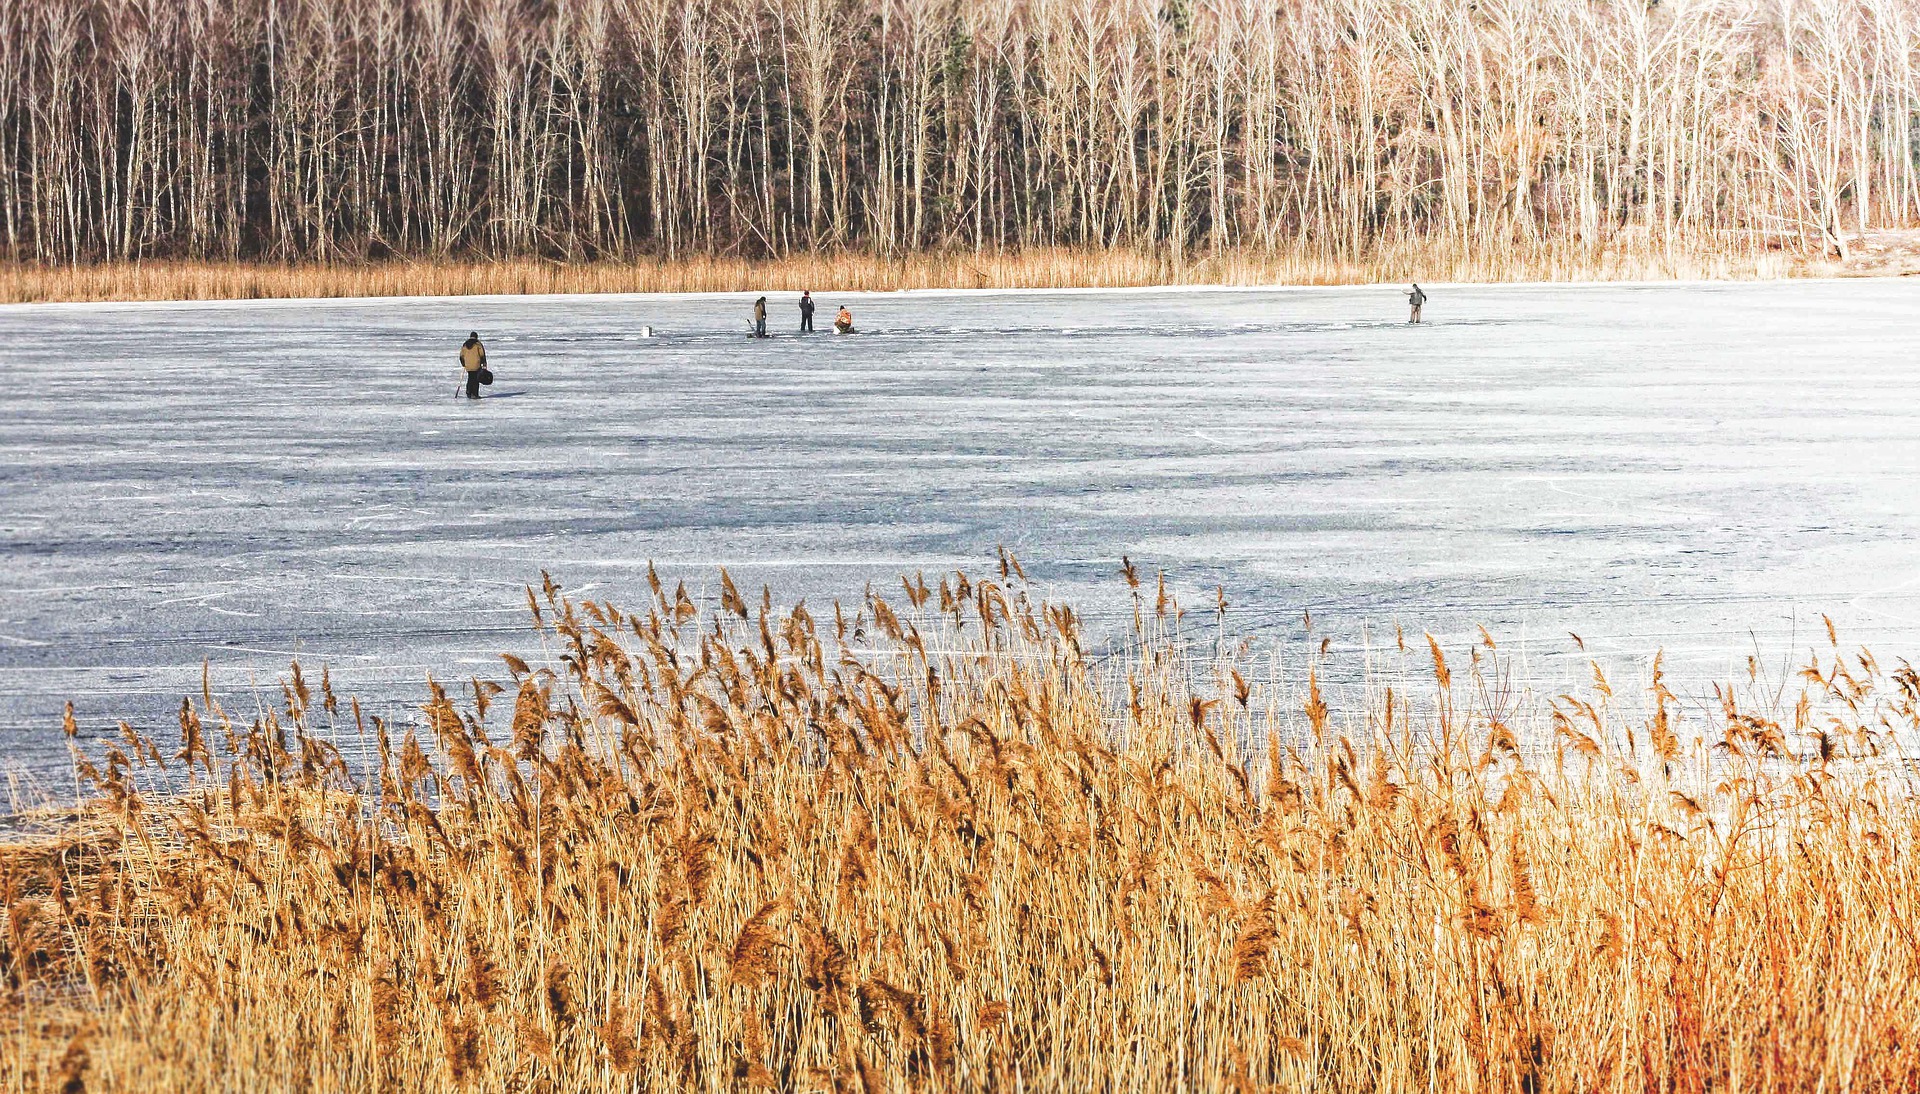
<point x="330" y="130"/>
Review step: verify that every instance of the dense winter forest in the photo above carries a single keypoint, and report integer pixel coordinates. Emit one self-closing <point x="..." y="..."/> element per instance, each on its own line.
<point x="347" y="129"/>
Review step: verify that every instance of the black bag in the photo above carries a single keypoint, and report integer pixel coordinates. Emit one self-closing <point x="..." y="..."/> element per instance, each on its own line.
<point x="486" y="375"/>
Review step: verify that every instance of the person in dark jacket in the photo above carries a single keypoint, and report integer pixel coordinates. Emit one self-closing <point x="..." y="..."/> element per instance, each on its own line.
<point x="760" y="318"/>
<point x="806" y="312"/>
<point x="1417" y="299"/>
<point x="473" y="358"/>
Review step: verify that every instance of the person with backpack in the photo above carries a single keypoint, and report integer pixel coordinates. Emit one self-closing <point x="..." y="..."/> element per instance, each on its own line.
<point x="760" y="318"/>
<point x="806" y="312"/>
<point x="1417" y="298"/>
<point x="473" y="358"/>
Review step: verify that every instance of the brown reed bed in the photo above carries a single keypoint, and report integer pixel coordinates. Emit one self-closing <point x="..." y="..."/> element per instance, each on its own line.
<point x="1046" y="268"/>
<point x="925" y="842"/>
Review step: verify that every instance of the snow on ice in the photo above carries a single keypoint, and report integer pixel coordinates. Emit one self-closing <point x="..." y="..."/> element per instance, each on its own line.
<point x="1699" y="468"/>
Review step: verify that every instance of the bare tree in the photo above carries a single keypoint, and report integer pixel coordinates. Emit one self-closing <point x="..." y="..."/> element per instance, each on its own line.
<point x="347" y="129"/>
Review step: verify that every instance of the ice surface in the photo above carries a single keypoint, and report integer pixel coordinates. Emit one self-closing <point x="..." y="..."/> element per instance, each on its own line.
<point x="1699" y="468"/>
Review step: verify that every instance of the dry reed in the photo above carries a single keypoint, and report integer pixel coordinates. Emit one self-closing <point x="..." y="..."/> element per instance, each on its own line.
<point x="927" y="842"/>
<point x="1044" y="268"/>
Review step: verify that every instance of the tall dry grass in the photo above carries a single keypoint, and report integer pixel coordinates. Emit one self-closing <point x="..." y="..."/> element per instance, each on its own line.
<point x="928" y="842"/>
<point x="1048" y="268"/>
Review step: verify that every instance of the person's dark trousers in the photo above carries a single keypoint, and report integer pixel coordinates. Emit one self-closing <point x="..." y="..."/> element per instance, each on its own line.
<point x="760" y="327"/>
<point x="473" y="384"/>
<point x="806" y="320"/>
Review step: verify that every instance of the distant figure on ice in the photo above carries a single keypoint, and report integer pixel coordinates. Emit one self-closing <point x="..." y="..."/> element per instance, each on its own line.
<point x="843" y="323"/>
<point x="806" y="312"/>
<point x="1417" y="298"/>
<point x="760" y="318"/>
<point x="473" y="358"/>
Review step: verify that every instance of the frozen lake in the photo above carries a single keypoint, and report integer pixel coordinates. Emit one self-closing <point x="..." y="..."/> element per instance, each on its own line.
<point x="1699" y="468"/>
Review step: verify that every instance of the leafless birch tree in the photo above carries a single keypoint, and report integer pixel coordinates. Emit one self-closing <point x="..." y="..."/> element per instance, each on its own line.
<point x="332" y="130"/>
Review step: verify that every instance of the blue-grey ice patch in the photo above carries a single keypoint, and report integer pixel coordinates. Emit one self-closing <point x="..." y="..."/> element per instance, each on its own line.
<point x="1681" y="467"/>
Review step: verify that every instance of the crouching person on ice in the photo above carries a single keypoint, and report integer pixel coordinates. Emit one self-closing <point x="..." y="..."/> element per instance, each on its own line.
<point x="473" y="358"/>
<point x="844" y="321"/>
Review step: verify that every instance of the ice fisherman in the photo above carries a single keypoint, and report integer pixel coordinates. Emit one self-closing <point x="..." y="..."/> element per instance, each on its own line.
<point x="806" y="311"/>
<point x="760" y="318"/>
<point x="843" y="322"/>
<point x="473" y="358"/>
<point x="1417" y="299"/>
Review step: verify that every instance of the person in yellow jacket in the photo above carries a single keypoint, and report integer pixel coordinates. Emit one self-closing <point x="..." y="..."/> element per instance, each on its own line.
<point x="473" y="358"/>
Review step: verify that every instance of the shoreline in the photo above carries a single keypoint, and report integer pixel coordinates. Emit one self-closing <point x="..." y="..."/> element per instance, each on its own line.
<point x="1050" y="270"/>
<point x="1068" y="290"/>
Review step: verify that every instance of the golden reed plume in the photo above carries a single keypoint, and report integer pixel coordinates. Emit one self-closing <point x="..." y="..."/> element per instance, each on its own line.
<point x="705" y="844"/>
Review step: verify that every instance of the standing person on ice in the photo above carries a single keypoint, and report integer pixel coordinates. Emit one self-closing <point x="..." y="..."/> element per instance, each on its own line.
<point x="760" y="318"/>
<point x="1417" y="298"/>
<point x="806" y="312"/>
<point x="473" y="358"/>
